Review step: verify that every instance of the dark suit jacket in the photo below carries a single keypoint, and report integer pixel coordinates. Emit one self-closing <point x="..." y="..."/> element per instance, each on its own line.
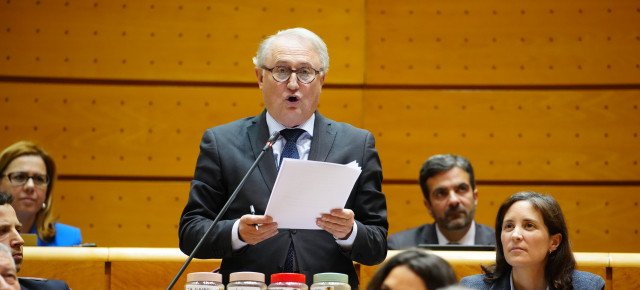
<point x="39" y="283"/>
<point x="226" y="154"/>
<point x="581" y="281"/>
<point x="426" y="234"/>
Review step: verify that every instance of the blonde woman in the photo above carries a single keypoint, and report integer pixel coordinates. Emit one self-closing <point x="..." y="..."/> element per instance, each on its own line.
<point x="27" y="173"/>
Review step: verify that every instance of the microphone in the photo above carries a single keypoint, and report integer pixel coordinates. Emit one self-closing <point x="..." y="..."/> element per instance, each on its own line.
<point x="269" y="144"/>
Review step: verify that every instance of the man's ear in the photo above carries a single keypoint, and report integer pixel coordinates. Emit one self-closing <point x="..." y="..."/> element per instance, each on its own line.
<point x="321" y="78"/>
<point x="260" y="76"/>
<point x="475" y="197"/>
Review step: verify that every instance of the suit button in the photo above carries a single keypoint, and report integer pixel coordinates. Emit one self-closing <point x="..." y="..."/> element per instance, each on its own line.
<point x="294" y="231"/>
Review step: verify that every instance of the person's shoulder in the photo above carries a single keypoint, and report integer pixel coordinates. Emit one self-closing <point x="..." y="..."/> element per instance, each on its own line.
<point x="586" y="280"/>
<point x="66" y="228"/>
<point x="39" y="283"/>
<point x="485" y="227"/>
<point x="485" y="235"/>
<point x="474" y="281"/>
<point x="233" y="126"/>
<point x="413" y="231"/>
<point x="410" y="238"/>
<point x="66" y="236"/>
<point x="340" y="125"/>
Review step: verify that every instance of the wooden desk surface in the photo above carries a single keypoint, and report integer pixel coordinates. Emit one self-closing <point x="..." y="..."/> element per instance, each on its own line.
<point x="134" y="268"/>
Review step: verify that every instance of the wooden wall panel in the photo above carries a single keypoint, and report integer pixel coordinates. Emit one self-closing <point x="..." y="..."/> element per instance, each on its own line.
<point x="137" y="213"/>
<point x="592" y="213"/>
<point x="81" y="268"/>
<point x="579" y="135"/>
<point x="162" y="40"/>
<point x="502" y="42"/>
<point x="120" y="94"/>
<point x="123" y="213"/>
<point x="160" y="267"/>
<point x="135" y="130"/>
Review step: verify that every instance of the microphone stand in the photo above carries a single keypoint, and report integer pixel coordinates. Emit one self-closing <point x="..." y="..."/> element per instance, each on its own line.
<point x="270" y="142"/>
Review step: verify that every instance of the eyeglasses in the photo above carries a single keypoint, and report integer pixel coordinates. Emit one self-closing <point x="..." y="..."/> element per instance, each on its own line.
<point x="282" y="73"/>
<point x="21" y="178"/>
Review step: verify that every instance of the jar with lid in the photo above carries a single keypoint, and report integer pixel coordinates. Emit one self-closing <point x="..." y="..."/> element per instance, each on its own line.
<point x="288" y="281"/>
<point x="330" y="281"/>
<point x="204" y="281"/>
<point x="246" y="281"/>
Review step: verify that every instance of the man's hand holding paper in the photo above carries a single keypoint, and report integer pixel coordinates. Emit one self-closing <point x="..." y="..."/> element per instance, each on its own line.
<point x="312" y="194"/>
<point x="339" y="223"/>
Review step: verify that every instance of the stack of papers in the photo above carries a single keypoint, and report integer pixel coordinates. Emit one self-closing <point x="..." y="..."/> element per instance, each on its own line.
<point x="304" y="190"/>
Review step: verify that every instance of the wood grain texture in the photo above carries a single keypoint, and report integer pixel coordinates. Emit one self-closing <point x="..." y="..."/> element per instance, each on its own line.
<point x="131" y="130"/>
<point x="497" y="42"/>
<point x="160" y="40"/>
<point x="509" y="135"/>
<point x="154" y="268"/>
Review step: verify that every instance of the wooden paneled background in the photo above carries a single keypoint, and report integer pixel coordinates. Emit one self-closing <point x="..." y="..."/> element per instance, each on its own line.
<point x="539" y="95"/>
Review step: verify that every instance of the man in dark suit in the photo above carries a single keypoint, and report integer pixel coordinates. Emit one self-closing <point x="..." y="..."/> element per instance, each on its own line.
<point x="291" y="67"/>
<point x="11" y="238"/>
<point x="450" y="195"/>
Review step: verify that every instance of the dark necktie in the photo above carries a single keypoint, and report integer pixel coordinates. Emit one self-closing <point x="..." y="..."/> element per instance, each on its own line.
<point x="290" y="150"/>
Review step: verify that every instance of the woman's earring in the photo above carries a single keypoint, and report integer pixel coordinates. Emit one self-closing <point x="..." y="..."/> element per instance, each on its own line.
<point x="44" y="205"/>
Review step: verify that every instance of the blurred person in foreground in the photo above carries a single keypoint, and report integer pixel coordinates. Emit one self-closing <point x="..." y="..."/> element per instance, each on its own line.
<point x="533" y="250"/>
<point x="10" y="237"/>
<point x="413" y="269"/>
<point x="291" y="67"/>
<point x="8" y="270"/>
<point x="450" y="195"/>
<point x="28" y="173"/>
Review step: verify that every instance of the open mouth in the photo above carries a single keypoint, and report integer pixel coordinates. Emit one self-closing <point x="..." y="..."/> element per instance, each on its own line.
<point x="293" y="99"/>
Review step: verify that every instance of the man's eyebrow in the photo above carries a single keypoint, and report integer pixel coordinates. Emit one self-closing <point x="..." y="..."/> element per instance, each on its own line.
<point x="286" y="63"/>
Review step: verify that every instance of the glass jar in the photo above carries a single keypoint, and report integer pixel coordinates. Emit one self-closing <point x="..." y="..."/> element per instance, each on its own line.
<point x="330" y="281"/>
<point x="288" y="281"/>
<point x="246" y="281"/>
<point x="204" y="281"/>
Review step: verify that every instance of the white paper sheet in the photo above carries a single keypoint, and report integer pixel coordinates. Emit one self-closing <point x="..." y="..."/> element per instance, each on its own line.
<point x="305" y="189"/>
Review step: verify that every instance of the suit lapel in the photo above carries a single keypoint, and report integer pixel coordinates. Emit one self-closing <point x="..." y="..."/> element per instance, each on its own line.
<point x="432" y="235"/>
<point x="324" y="133"/>
<point x="258" y="134"/>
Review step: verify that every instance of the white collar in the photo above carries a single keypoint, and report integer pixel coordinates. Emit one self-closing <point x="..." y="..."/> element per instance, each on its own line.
<point x="469" y="239"/>
<point x="274" y="125"/>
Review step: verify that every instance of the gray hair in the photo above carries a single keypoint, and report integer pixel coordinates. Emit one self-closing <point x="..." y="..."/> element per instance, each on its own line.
<point x="298" y="33"/>
<point x="5" y="249"/>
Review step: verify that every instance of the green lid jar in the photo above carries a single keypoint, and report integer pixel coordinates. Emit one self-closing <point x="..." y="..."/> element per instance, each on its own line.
<point x="330" y="281"/>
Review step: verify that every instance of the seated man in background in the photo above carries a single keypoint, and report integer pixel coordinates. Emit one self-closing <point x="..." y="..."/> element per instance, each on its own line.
<point x="10" y="237"/>
<point x="8" y="271"/>
<point x="450" y="195"/>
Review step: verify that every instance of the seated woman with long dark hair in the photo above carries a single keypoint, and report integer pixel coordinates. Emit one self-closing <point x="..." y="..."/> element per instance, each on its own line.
<point x="533" y="249"/>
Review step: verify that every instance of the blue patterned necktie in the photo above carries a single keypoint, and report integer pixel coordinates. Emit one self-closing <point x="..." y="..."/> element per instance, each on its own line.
<point x="290" y="150"/>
